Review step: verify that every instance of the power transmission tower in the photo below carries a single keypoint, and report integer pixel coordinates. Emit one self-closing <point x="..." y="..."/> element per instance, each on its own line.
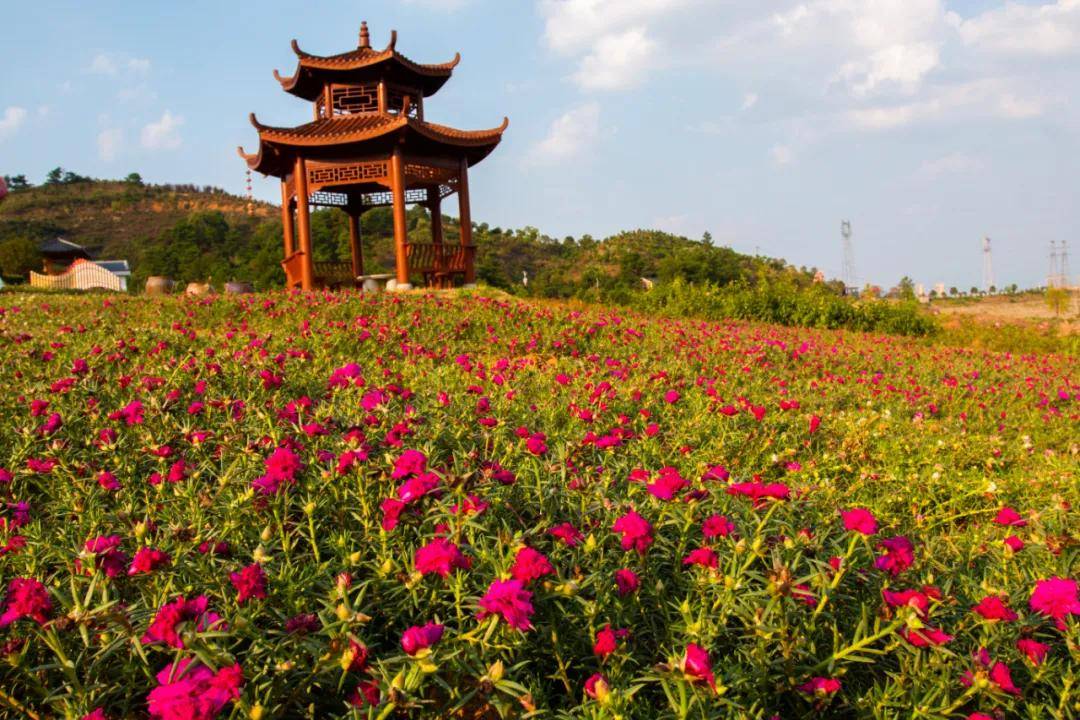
<point x="988" y="266"/>
<point x="1066" y="278"/>
<point x="1052" y="276"/>
<point x="847" y="274"/>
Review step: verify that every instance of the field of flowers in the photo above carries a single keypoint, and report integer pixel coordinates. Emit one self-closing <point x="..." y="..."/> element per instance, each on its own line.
<point x="463" y="507"/>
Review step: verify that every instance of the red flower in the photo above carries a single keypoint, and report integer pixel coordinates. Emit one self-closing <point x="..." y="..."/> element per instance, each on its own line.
<point x="410" y="462"/>
<point x="537" y="444"/>
<point x="696" y="665"/>
<point x="419" y="637"/>
<point x="717" y="526"/>
<point x="190" y="691"/>
<point x="759" y="492"/>
<point x="635" y="530"/>
<point x="821" y="686"/>
<point x="439" y="556"/>
<point x="165" y="627"/>
<point x="859" y="520"/>
<point x="1033" y="649"/>
<point x="1014" y="543"/>
<point x="627" y="582"/>
<point x="703" y="556"/>
<point x="250" y="582"/>
<point x="529" y="565"/>
<point x="913" y="598"/>
<point x="366" y="693"/>
<point x="567" y="533"/>
<point x="511" y="601"/>
<point x="667" y="485"/>
<point x="994" y="608"/>
<point x="1008" y="517"/>
<point x="26" y="598"/>
<point x="925" y="637"/>
<point x="147" y="560"/>
<point x="899" y="555"/>
<point x="108" y="558"/>
<point x="815" y="423"/>
<point x="1055" y="598"/>
<point x="607" y="640"/>
<point x="597" y="686"/>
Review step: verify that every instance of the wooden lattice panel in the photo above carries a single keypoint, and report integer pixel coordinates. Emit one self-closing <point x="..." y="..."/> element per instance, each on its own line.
<point x="395" y="98"/>
<point x="370" y="171"/>
<point x="328" y="199"/>
<point x="426" y="174"/>
<point x="352" y="99"/>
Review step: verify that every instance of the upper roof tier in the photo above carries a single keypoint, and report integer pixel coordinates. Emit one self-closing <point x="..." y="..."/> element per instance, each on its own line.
<point x="361" y="65"/>
<point x="328" y="138"/>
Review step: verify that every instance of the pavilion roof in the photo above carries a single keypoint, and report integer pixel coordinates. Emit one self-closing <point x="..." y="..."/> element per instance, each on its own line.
<point x="363" y="63"/>
<point x="377" y="131"/>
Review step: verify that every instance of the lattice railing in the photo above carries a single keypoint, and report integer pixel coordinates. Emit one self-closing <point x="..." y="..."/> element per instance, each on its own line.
<point x="439" y="259"/>
<point x="333" y="272"/>
<point x="359" y="172"/>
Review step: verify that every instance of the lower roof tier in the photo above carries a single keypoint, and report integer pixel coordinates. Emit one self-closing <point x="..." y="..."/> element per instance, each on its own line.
<point x="364" y="135"/>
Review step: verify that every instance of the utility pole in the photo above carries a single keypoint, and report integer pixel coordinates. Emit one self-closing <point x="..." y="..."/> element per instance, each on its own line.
<point x="847" y="274"/>
<point x="988" y="266"/>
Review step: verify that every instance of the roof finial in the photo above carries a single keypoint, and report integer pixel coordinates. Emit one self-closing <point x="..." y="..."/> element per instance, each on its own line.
<point x="365" y="39"/>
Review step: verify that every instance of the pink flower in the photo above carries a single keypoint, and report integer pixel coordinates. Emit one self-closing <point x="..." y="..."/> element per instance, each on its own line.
<point x="417" y="487"/>
<point x="999" y="674"/>
<point x="391" y="509"/>
<point x="510" y="600"/>
<point x="607" y="640"/>
<point x="696" y="665"/>
<point x="859" y="520"/>
<point x="107" y="480"/>
<point x="626" y="581"/>
<point x="439" y="556"/>
<point x="717" y="526"/>
<point x="250" y="582"/>
<point x="671" y="397"/>
<point x="1008" y="517"/>
<point x="281" y="468"/>
<point x="821" y="686"/>
<point x="815" y="423"/>
<point x="191" y="691"/>
<point x="419" y="638"/>
<point x="26" y="598"/>
<point x="899" y="555"/>
<point x="1014" y="543"/>
<point x="537" y="444"/>
<point x="667" y="485"/>
<point x="410" y="462"/>
<point x="703" y="556"/>
<point x="529" y="564"/>
<point x="597" y="686"/>
<point x="366" y="693"/>
<point x="920" y="601"/>
<point x="994" y="608"/>
<point x="759" y="492"/>
<point x="166" y="625"/>
<point x="925" y="637"/>
<point x="95" y="714"/>
<point x="567" y="533"/>
<point x="716" y="472"/>
<point x="108" y="558"/>
<point x="148" y="560"/>
<point x="1033" y="649"/>
<point x="635" y="530"/>
<point x="132" y="413"/>
<point x="1055" y="598"/>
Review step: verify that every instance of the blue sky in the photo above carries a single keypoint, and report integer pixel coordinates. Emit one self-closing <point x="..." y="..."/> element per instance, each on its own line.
<point x="927" y="123"/>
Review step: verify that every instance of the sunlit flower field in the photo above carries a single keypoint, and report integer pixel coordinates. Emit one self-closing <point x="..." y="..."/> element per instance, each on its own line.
<point x="463" y="507"/>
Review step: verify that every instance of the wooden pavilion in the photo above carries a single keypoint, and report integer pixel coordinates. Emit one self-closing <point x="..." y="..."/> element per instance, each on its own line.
<point x="370" y="146"/>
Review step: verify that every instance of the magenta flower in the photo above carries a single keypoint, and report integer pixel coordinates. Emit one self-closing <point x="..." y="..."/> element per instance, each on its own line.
<point x="994" y="608"/>
<point x="926" y="637"/>
<point x="366" y="694"/>
<point x="530" y="564"/>
<point x="635" y="530"/>
<point x="409" y="463"/>
<point x="1033" y="649"/>
<point x="191" y="691"/>
<point x="1008" y="517"/>
<point x="703" y="556"/>
<point x="597" y="686"/>
<point x="439" y="556"/>
<point x="509" y="600"/>
<point x="537" y="444"/>
<point x="821" y="686"/>
<point x="167" y="624"/>
<point x="717" y="526"/>
<point x="250" y="583"/>
<point x="567" y="533"/>
<point x="607" y="640"/>
<point x="859" y="520"/>
<point x="759" y="492"/>
<point x="898" y="555"/>
<point x="148" y="560"/>
<point x="419" y="637"/>
<point x="626" y="581"/>
<point x="696" y="665"/>
<point x="667" y="485"/>
<point x="26" y="598"/>
<point x="108" y="558"/>
<point x="1055" y="598"/>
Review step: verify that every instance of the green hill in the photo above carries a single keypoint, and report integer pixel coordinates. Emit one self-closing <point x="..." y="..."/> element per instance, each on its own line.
<point x="197" y="233"/>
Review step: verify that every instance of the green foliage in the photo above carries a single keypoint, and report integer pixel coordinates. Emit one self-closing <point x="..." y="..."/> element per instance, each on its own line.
<point x="18" y="256"/>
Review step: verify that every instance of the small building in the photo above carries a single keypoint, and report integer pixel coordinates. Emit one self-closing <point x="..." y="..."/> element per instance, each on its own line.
<point x="58" y="254"/>
<point x="370" y="145"/>
<point x="69" y="266"/>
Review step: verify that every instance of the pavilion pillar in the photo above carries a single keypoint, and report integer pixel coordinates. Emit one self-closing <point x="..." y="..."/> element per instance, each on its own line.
<point x="401" y="239"/>
<point x="356" y="251"/>
<point x="303" y="223"/>
<point x="287" y="221"/>
<point x="465" y="220"/>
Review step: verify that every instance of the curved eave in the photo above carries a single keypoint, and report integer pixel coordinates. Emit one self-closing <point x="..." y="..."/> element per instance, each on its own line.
<point x="305" y="83"/>
<point x="277" y="146"/>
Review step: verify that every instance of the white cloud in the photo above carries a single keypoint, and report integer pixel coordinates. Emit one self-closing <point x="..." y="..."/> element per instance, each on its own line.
<point x="953" y="163"/>
<point x="109" y="142"/>
<point x="163" y="134"/>
<point x="112" y="64"/>
<point x="781" y="154"/>
<point x="570" y="134"/>
<point x="749" y="101"/>
<point x="11" y="121"/>
<point x="993" y="97"/>
<point x="617" y="61"/>
<point x="1047" y="29"/>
